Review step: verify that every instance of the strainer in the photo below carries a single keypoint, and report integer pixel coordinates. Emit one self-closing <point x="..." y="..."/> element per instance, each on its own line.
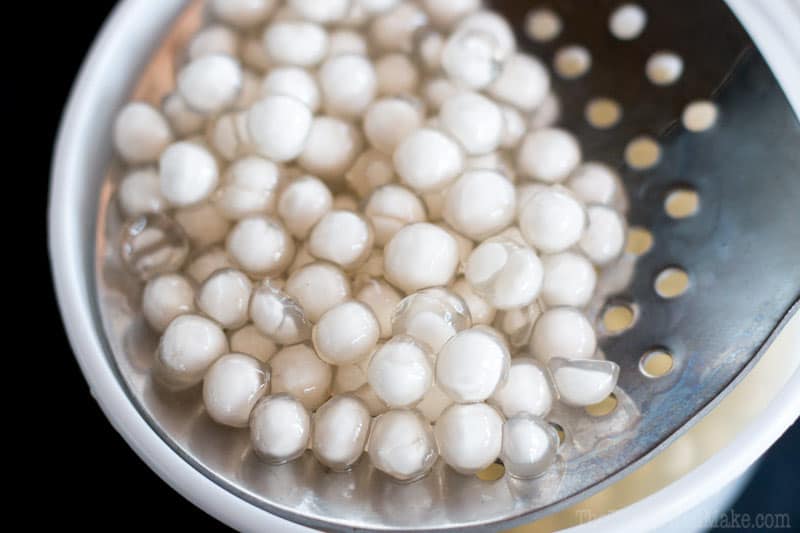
<point x="738" y="252"/>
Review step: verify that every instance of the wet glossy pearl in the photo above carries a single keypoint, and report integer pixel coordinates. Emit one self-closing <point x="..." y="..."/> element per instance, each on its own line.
<point x="507" y="273"/>
<point x="388" y="121"/>
<point x="166" y="297"/>
<point x="420" y="255"/>
<point x="210" y="83"/>
<point x="298" y="371"/>
<point x="278" y="316"/>
<point x="400" y="372"/>
<point x="341" y="237"/>
<point x="523" y="82"/>
<point x="140" y="192"/>
<point x="346" y="333"/>
<point x="390" y="208"/>
<point x="341" y="427"/>
<point x="302" y="203"/>
<point x="279" y="127"/>
<point x="141" y="133"/>
<point x="469" y="436"/>
<point x="530" y="446"/>
<point x="583" y="382"/>
<point x="318" y="287"/>
<point x="604" y="238"/>
<point x="250" y="188"/>
<point x="552" y="220"/>
<point x="431" y="316"/>
<point x="401" y="444"/>
<point x="594" y="183"/>
<point x="296" y="42"/>
<point x="563" y="332"/>
<point x="295" y="82"/>
<point x="261" y="245"/>
<point x="225" y="297"/>
<point x="527" y="389"/>
<point x="480" y="309"/>
<point x="249" y="340"/>
<point x="474" y="121"/>
<point x="189" y="173"/>
<point x="427" y="160"/>
<point x="480" y="203"/>
<point x="569" y="279"/>
<point x="472" y="365"/>
<point x="331" y="148"/>
<point x="548" y="154"/>
<point x="280" y="428"/>
<point x="189" y="346"/>
<point x="382" y="298"/>
<point x="351" y="99"/>
<point x="231" y="388"/>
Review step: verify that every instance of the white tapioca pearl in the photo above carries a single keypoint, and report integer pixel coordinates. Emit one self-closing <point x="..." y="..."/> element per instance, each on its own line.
<point x="216" y="39"/>
<point x="471" y="59"/>
<point x="437" y="91"/>
<point x="474" y="121"/>
<point x="604" y="238"/>
<point x="347" y="42"/>
<point x="189" y="346"/>
<point x="225" y="297"/>
<point x="298" y="371"/>
<point x="428" y="160"/>
<point x="141" y="133"/>
<point x="249" y="340"/>
<point x="492" y="24"/>
<point x="563" y="332"/>
<point x="341" y="427"/>
<point x="331" y="148"/>
<point x="382" y="298"/>
<point x="261" y="245"/>
<point x="279" y="127"/>
<point x="296" y="42"/>
<point x="396" y="74"/>
<point x="472" y="365"/>
<point x="346" y="333"/>
<point x="527" y="389"/>
<point x="184" y="120"/>
<point x="583" y="382"/>
<point x="547" y="114"/>
<point x="434" y="403"/>
<point x="350" y="99"/>
<point x="207" y="263"/>
<point x="341" y="237"/>
<point x="523" y="82"/>
<point x="231" y="388"/>
<point x="324" y="12"/>
<point x="203" y="224"/>
<point x="508" y="274"/>
<point x="243" y="13"/>
<point x="552" y="220"/>
<point x="525" y="192"/>
<point x="432" y="316"/>
<point x="140" y="192"/>
<point x="514" y="127"/>
<point x="349" y="378"/>
<point x="420" y="255"/>
<point x="595" y="183"/>
<point x="318" y="287"/>
<point x="166" y="297"/>
<point x="390" y="208"/>
<point x="253" y="54"/>
<point x="302" y="203"/>
<point x="549" y="155"/>
<point x="280" y="428"/>
<point x="446" y="13"/>
<point x="627" y="21"/>
<point x="370" y="399"/>
<point x="390" y="120"/>
<point x="278" y="316"/>
<point x="569" y="279"/>
<point x="400" y="371"/>
<point x="393" y="30"/>
<point x="250" y="188"/>
<point x="295" y="82"/>
<point x="401" y="444"/>
<point x="189" y="173"/>
<point x="469" y="436"/>
<point x="210" y="83"/>
<point x="530" y="446"/>
<point x="517" y="324"/>
<point x="480" y="203"/>
<point x="480" y="309"/>
<point x="371" y="170"/>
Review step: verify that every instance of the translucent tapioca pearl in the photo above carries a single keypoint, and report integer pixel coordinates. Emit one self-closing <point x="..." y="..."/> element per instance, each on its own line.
<point x="563" y="332"/>
<point x="514" y="127"/>
<point x="203" y="223"/>
<point x="469" y="436"/>
<point x="371" y="170"/>
<point x="548" y="154"/>
<point x="278" y="316"/>
<point x="225" y="297"/>
<point x="207" y="262"/>
<point x="298" y="371"/>
<point x="166" y="297"/>
<point x="393" y="30"/>
<point x="382" y="298"/>
<point x="341" y="427"/>
<point x="471" y="58"/>
<point x="296" y="42"/>
<point x="366" y="394"/>
<point x="296" y="82"/>
<point x="432" y="316"/>
<point x="434" y="403"/>
<point x="345" y="41"/>
<point x="153" y="244"/>
<point x="481" y="311"/>
<point x="210" y="83"/>
<point x="243" y="14"/>
<point x="387" y="121"/>
<point x="349" y="378"/>
<point x="231" y="388"/>
<point x="517" y="324"/>
<point x="527" y="389"/>
<point x="214" y="39"/>
<point x="595" y="183"/>
<point x="347" y="100"/>
<point x="250" y="187"/>
<point x="341" y="237"/>
<point x="400" y="371"/>
<point x="436" y="91"/>
<point x="604" y="238"/>
<point x="523" y="82"/>
<point x="428" y="160"/>
<point x="474" y="121"/>
<point x="530" y="446"/>
<point x="189" y="173"/>
<point x="552" y="220"/>
<point x="280" y="428"/>
<point x="569" y="279"/>
<point x="401" y="444"/>
<point x="190" y="344"/>
<point x="396" y="74"/>
<point x="472" y="365"/>
<point x="446" y="13"/>
<point x="302" y="203"/>
<point x="327" y="12"/>
<point x="508" y="274"/>
<point x="183" y="119"/>
<point x="582" y="382"/>
<point x="260" y="245"/>
<point x="346" y="333"/>
<point x="480" y="203"/>
<point x="249" y="340"/>
<point x="278" y="127"/>
<point x="547" y="114"/>
<point x="390" y="208"/>
<point x="139" y="192"/>
<point x="331" y="148"/>
<point x="318" y="287"/>
<point x="141" y="133"/>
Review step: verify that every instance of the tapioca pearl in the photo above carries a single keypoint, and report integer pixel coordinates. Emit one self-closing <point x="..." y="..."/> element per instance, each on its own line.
<point x="166" y="297"/>
<point x="250" y="187"/>
<point x="302" y="203"/>
<point x="396" y="74"/>
<point x="547" y="114"/>
<point x="203" y="224"/>
<point x="447" y="13"/>
<point x="140" y="192"/>
<point x="347" y="100"/>
<point x="400" y="371"/>
<point x="474" y="121"/>
<point x="210" y="83"/>
<point x="552" y="220"/>
<point x="277" y="315"/>
<point x="279" y="126"/>
<point x="249" y="340"/>
<point x="326" y="12"/>
<point x="298" y="371"/>
<point x="514" y="127"/>
<point x="153" y="244"/>
<point x="472" y="365"/>
<point x="401" y="444"/>
<point x="390" y="208"/>
<point x="183" y="120"/>
<point x="341" y="428"/>
<point x="243" y="14"/>
<point x="563" y="332"/>
<point x="261" y="246"/>
<point x="190" y="344"/>
<point x="371" y="170"/>
<point x="298" y="43"/>
<point x="295" y="82"/>
<point x="527" y="389"/>
<point x="141" y="133"/>
<point x="428" y="46"/>
<point x="225" y="297"/>
<point x="432" y="316"/>
<point x="346" y="333"/>
<point x="388" y="121"/>
<point x="480" y="203"/>
<point x="525" y="192"/>
<point x="434" y="403"/>
<point x="480" y="309"/>
<point x="208" y="262"/>
<point x="664" y="68"/>
<point x="604" y="238"/>
<point x="393" y="30"/>
<point x="471" y="58"/>
<point x="548" y="155"/>
<point x="436" y="92"/>
<point x="331" y="148"/>
<point x="543" y="25"/>
<point x="382" y="298"/>
<point x="215" y="39"/>
<point x="572" y="61"/>
<point x="189" y="173"/>
<point x="469" y="436"/>
<point x="347" y="42"/>
<point x="595" y="183"/>
<point x="494" y="25"/>
<point x="318" y="287"/>
<point x="231" y="388"/>
<point x="517" y="324"/>
<point x="420" y="255"/>
<point x="583" y="382"/>
<point x="508" y="274"/>
<point x="569" y="279"/>
<point x="374" y="404"/>
<point x="523" y="82"/>
<point x="280" y="428"/>
<point x="341" y="237"/>
<point x="530" y="446"/>
<point x="627" y="21"/>
<point x="349" y="378"/>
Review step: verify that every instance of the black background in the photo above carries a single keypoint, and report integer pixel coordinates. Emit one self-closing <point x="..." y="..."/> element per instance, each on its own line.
<point x="89" y="474"/>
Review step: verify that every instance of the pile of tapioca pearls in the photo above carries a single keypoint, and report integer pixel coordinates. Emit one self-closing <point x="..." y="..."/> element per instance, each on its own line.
<point x="350" y="215"/>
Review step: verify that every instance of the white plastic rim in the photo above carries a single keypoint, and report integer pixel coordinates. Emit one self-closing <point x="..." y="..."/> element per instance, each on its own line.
<point x="103" y="84"/>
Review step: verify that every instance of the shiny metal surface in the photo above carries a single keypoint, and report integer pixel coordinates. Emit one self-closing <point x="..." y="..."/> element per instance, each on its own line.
<point x="741" y="251"/>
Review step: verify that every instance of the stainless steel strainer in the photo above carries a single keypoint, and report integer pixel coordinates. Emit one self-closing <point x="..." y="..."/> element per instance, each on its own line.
<point x="741" y="251"/>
